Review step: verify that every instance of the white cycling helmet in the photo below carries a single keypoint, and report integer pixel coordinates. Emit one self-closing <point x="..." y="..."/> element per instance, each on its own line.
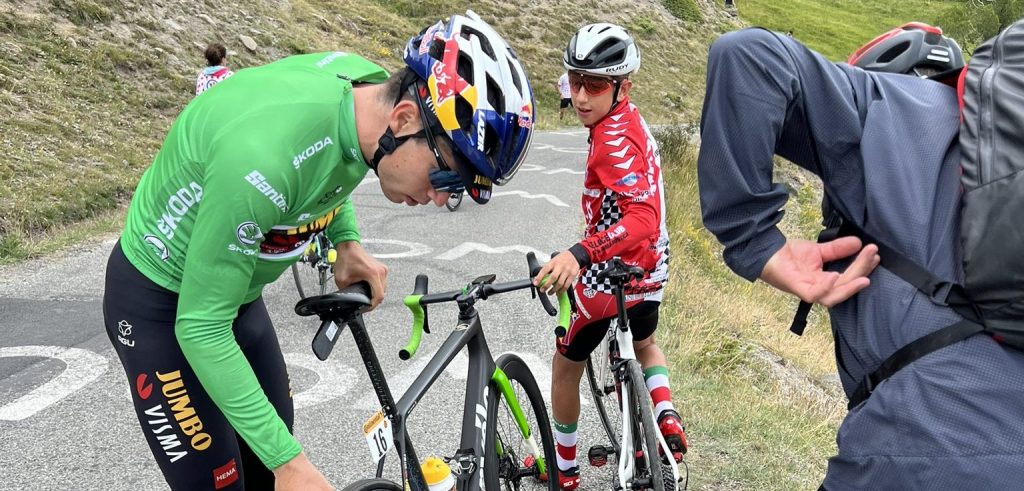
<point x="480" y="95"/>
<point x="602" y="49"/>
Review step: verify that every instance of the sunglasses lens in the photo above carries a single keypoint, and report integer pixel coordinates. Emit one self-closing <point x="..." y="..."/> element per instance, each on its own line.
<point x="593" y="85"/>
<point x="446" y="181"/>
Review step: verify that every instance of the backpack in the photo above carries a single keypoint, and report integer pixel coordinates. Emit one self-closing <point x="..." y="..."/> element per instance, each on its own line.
<point x="991" y="298"/>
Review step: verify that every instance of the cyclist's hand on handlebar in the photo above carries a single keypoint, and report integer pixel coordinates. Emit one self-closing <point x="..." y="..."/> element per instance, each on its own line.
<point x="558" y="274"/>
<point x="355" y="264"/>
<point x="798" y="268"/>
<point x="299" y="474"/>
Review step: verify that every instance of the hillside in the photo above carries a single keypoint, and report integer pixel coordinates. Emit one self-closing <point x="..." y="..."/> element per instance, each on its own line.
<point x="837" y="28"/>
<point x="88" y="88"/>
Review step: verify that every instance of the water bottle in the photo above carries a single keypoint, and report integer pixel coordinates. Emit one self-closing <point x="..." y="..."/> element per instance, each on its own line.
<point x="437" y="474"/>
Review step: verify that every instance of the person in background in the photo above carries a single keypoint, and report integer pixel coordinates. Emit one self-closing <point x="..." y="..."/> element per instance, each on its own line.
<point x="216" y="70"/>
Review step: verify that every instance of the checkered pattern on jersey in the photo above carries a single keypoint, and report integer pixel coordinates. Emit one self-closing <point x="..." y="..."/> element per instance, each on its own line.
<point x="609" y="215"/>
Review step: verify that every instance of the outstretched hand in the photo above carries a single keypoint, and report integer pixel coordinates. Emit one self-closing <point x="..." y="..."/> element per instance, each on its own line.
<point x="798" y="268"/>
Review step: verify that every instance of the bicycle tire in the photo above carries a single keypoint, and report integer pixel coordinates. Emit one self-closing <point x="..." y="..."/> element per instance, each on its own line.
<point x="457" y="198"/>
<point x="599" y="375"/>
<point x="507" y="471"/>
<point x="643" y="421"/>
<point x="374" y="485"/>
<point x="309" y="278"/>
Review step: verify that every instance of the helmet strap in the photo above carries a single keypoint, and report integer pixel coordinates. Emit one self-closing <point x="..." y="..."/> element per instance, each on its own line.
<point x="615" y="95"/>
<point x="388" y="143"/>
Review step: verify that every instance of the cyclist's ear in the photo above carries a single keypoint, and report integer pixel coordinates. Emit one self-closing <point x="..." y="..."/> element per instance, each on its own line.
<point x="404" y="118"/>
<point x="624" y="88"/>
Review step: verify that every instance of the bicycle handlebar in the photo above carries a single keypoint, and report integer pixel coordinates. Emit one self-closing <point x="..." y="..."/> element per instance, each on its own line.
<point x="481" y="288"/>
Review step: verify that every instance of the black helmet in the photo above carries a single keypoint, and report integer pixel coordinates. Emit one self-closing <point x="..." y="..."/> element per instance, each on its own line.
<point x="914" y="48"/>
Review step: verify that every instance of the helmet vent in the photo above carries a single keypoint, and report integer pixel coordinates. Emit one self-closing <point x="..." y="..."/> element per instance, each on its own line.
<point x="485" y="45"/>
<point x="465" y="67"/>
<point x="894" y="52"/>
<point x="494" y="96"/>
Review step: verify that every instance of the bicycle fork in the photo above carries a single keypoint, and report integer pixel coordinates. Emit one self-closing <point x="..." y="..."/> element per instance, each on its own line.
<point x="627" y="456"/>
<point x="501" y="381"/>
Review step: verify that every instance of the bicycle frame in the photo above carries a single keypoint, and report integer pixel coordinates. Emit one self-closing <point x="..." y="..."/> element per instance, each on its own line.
<point x="620" y="349"/>
<point x="483" y="376"/>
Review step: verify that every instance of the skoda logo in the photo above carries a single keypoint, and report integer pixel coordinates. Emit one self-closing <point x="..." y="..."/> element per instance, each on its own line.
<point x="249" y="233"/>
<point x="157" y="245"/>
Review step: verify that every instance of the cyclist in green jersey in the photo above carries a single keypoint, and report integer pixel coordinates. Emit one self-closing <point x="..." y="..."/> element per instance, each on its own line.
<point x="247" y="173"/>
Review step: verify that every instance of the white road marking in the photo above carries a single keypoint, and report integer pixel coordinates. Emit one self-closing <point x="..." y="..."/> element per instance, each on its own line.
<point x="469" y="247"/>
<point x="82" y="367"/>
<point x="414" y="248"/>
<point x="551" y="199"/>
<point x="335" y="379"/>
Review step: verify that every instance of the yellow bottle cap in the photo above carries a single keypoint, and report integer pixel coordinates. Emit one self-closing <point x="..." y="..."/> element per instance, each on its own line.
<point x="435" y="471"/>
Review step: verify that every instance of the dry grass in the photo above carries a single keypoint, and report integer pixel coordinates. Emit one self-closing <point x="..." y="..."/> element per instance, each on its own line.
<point x="88" y="88"/>
<point x="755" y="423"/>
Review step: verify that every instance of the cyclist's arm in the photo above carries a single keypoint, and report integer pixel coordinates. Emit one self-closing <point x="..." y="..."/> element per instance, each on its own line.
<point x="218" y="271"/>
<point x="343" y="228"/>
<point x="753" y="109"/>
<point x="641" y="214"/>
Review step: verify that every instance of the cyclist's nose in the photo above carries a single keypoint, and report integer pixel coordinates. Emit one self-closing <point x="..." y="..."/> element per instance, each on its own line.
<point x="438" y="197"/>
<point x="580" y="94"/>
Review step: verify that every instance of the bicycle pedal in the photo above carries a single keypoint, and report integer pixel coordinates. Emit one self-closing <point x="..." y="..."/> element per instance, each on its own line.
<point x="598" y="455"/>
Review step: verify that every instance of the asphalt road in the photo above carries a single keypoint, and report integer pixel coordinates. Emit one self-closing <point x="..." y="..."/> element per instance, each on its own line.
<point x="65" y="411"/>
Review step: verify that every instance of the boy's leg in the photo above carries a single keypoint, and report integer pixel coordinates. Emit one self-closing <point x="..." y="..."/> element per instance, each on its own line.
<point x="643" y="321"/>
<point x="565" y="408"/>
<point x="584" y="334"/>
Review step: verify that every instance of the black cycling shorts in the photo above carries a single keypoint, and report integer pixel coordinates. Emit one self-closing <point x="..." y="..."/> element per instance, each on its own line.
<point x="577" y="346"/>
<point x="194" y="445"/>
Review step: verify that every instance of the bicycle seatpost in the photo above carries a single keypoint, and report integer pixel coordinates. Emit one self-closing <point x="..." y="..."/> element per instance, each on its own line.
<point x="620" y="274"/>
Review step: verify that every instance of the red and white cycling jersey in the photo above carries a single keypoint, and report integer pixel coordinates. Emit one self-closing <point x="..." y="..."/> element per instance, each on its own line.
<point x="624" y="205"/>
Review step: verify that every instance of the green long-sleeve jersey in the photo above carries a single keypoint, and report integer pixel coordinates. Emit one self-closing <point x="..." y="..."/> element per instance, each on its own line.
<point x="249" y="171"/>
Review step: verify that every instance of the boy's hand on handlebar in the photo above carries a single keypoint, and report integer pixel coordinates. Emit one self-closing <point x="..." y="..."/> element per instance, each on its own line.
<point x="558" y="274"/>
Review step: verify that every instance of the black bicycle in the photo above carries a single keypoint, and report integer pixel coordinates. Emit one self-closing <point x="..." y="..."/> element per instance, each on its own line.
<point x="498" y="447"/>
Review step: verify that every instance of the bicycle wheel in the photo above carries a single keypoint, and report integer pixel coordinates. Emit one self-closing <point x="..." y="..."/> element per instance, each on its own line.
<point x="647" y="471"/>
<point x="310" y="280"/>
<point x="373" y="485"/>
<point x="509" y="460"/>
<point x="602" y="388"/>
<point x="313" y="271"/>
<point x="454" y="200"/>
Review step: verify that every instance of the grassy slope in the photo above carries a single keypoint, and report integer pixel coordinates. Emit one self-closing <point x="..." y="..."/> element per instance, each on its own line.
<point x="837" y="28"/>
<point x="747" y="430"/>
<point x="88" y="88"/>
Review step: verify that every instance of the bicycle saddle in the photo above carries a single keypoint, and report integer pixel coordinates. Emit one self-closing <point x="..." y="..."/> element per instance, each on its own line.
<point x="342" y="304"/>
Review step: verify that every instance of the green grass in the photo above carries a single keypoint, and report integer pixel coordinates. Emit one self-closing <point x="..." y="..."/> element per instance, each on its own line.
<point x="88" y="88"/>
<point x="837" y="28"/>
<point x="746" y="432"/>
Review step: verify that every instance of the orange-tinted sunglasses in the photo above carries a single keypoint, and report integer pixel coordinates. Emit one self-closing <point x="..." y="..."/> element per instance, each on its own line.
<point x="593" y="85"/>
